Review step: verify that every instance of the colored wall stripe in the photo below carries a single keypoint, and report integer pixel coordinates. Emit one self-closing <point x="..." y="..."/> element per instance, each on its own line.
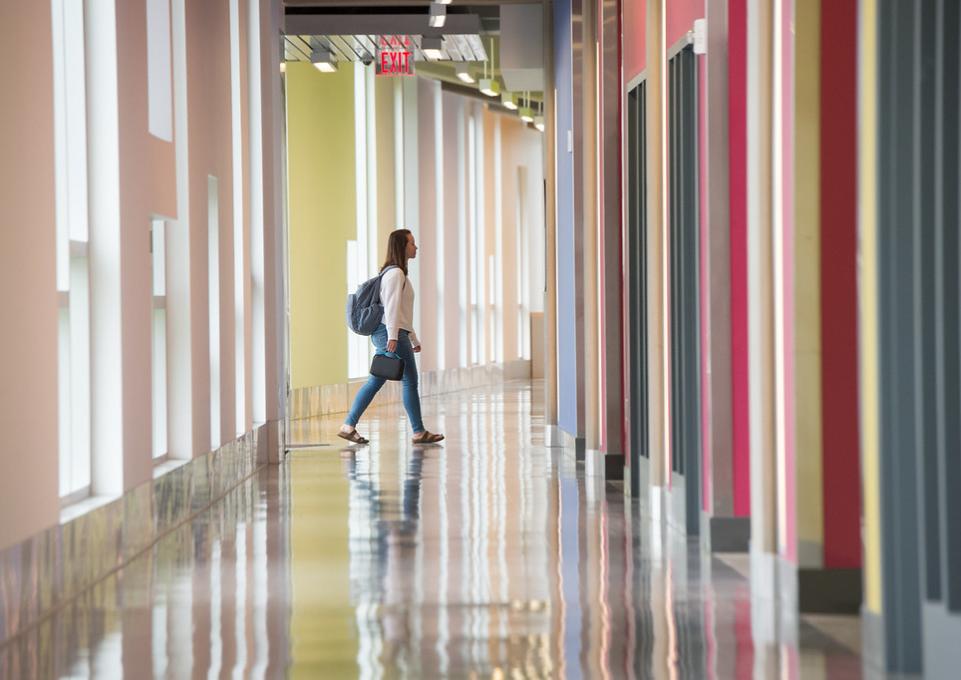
<point x="737" y="92"/>
<point x="868" y="307"/>
<point x="707" y="474"/>
<point x="807" y="283"/>
<point x="680" y="16"/>
<point x="634" y="38"/>
<point x="566" y="322"/>
<point x="787" y="213"/>
<point x="842" y="470"/>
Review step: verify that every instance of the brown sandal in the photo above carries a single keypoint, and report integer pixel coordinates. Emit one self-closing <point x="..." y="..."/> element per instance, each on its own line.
<point x="428" y="438"/>
<point x="353" y="437"/>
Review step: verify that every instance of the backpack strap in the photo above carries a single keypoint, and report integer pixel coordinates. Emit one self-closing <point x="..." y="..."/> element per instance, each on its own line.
<point x="387" y="269"/>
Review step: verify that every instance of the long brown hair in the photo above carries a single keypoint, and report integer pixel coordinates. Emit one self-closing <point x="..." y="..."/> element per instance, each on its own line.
<point x="397" y="250"/>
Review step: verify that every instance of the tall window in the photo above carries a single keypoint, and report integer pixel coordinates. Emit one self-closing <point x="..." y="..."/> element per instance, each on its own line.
<point x="158" y="246"/>
<point x="213" y="291"/>
<point x="475" y="325"/>
<point x="523" y="292"/>
<point x="159" y="70"/>
<point x="478" y="242"/>
<point x="240" y="311"/>
<point x="463" y="299"/>
<point x="72" y="236"/>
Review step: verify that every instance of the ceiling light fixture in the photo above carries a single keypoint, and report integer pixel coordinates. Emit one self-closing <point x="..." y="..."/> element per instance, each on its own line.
<point x="509" y="100"/>
<point x="438" y="15"/>
<point x="526" y="112"/>
<point x="464" y="74"/>
<point x="432" y="47"/>
<point x="490" y="86"/>
<point x="539" y="118"/>
<point x="443" y="2"/>
<point x="323" y="60"/>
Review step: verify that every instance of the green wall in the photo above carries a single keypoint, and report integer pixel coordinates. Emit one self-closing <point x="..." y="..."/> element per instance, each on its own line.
<point x="322" y="218"/>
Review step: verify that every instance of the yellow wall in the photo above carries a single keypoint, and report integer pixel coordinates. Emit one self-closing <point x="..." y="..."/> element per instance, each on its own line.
<point x="322" y="218"/>
<point x="807" y="284"/>
<point x="868" y="303"/>
<point x="386" y="190"/>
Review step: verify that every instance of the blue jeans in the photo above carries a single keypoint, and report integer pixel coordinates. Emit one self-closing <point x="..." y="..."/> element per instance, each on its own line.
<point x="372" y="387"/>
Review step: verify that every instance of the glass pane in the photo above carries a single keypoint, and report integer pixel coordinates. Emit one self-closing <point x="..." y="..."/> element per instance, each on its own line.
<point x="63" y="376"/>
<point x="159" y="249"/>
<point x="80" y="371"/>
<point x="159" y="382"/>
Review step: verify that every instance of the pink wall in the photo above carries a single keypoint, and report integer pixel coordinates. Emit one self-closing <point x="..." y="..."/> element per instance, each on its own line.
<point x="209" y="123"/>
<point x="28" y="296"/>
<point x="147" y="187"/>
<point x="679" y="18"/>
<point x="634" y="38"/>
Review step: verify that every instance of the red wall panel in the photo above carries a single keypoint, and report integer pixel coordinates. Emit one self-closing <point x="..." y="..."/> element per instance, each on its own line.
<point x="839" y="305"/>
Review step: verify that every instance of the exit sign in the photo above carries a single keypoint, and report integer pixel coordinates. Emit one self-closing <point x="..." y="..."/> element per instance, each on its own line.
<point x="395" y="56"/>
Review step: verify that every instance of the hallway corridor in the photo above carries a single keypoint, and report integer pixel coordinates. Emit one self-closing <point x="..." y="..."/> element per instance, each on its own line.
<point x="490" y="557"/>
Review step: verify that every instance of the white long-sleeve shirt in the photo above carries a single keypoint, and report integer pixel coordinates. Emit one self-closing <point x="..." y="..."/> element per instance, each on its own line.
<point x="397" y="296"/>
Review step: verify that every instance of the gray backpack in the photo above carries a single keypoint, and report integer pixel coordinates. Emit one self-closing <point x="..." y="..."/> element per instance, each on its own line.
<point x="364" y="311"/>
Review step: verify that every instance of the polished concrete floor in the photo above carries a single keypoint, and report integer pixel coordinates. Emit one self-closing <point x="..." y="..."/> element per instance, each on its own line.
<point x="489" y="557"/>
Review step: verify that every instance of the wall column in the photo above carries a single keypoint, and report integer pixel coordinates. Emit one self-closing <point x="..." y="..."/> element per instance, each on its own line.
<point x="590" y="225"/>
<point x="613" y="379"/>
<point x="730" y="530"/>
<point x="29" y="500"/>
<point x="657" y="251"/>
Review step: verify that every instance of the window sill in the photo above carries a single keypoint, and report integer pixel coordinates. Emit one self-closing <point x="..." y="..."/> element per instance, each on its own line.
<point x="82" y="507"/>
<point x="165" y="465"/>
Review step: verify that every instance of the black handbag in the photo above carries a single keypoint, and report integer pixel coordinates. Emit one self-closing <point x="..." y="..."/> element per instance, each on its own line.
<point x="389" y="368"/>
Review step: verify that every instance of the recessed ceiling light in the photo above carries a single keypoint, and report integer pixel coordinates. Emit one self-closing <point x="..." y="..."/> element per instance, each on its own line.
<point x="432" y="47"/>
<point x="323" y="60"/>
<point x="490" y="86"/>
<point x="438" y="15"/>
<point x="464" y="74"/>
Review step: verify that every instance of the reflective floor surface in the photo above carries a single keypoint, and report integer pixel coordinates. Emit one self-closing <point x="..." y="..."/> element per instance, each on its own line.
<point x="489" y="557"/>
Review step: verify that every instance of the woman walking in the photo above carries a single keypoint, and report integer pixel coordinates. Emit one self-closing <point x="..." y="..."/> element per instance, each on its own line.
<point x="394" y="336"/>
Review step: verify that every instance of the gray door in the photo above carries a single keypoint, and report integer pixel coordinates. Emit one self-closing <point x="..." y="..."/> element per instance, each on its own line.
<point x="684" y="280"/>
<point x="637" y="281"/>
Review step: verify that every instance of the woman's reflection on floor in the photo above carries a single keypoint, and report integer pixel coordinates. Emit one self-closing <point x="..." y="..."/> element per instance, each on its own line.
<point x="384" y="514"/>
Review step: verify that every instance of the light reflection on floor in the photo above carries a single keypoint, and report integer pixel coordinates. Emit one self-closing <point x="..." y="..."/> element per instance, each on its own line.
<point x="489" y="557"/>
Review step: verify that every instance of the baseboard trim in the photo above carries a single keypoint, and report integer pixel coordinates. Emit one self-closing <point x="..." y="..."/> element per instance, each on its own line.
<point x="572" y="442"/>
<point x="830" y="591"/>
<point x="730" y="534"/>
<point x="552" y="437"/>
<point x="941" y="652"/>
<point x="323" y="400"/>
<point x="65" y="560"/>
<point x="872" y="642"/>
<point x="614" y="467"/>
